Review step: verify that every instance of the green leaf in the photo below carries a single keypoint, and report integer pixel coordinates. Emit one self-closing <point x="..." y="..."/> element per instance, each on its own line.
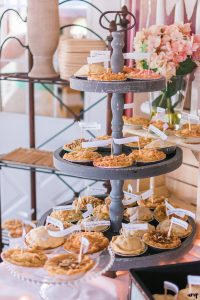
<point x="186" y="67"/>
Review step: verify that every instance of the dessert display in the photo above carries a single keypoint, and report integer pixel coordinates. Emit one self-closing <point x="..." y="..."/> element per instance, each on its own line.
<point x="81" y="203"/>
<point x="137" y="233"/>
<point x="116" y="161"/>
<point x="108" y="77"/>
<point x="90" y="69"/>
<point x="101" y="212"/>
<point x="97" y="242"/>
<point x="38" y="238"/>
<point x="141" y="214"/>
<point x="143" y="75"/>
<point x="99" y="228"/>
<point x="147" y="155"/>
<point x="127" y="245"/>
<point x="161" y="240"/>
<point x="160" y="214"/>
<point x="81" y="156"/>
<point x="135" y="121"/>
<point x="152" y="202"/>
<point x="67" y="215"/>
<point x="176" y="230"/>
<point x="68" y="264"/>
<point x="76" y="145"/>
<point x="159" y="124"/>
<point x="25" y="257"/>
<point x="143" y="142"/>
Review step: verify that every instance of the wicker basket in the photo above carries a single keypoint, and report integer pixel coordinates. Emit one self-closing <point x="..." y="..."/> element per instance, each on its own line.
<point x="72" y="54"/>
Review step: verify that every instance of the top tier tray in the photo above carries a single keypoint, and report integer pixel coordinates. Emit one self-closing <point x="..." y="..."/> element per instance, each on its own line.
<point x="121" y="87"/>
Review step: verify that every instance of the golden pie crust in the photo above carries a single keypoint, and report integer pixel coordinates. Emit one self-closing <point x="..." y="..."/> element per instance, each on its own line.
<point x="160" y="214"/>
<point x="186" y="133"/>
<point x="163" y="297"/>
<point x="25" y="257"/>
<point x="101" y="212"/>
<point x="185" y="294"/>
<point x="129" y="69"/>
<point x="97" y="240"/>
<point x="67" y="215"/>
<point x="135" y="120"/>
<point x="176" y="230"/>
<point x="84" y="200"/>
<point x="143" y="74"/>
<point x="108" y="201"/>
<point x="116" y="161"/>
<point x="38" y="238"/>
<point x="137" y="233"/>
<point x="12" y="224"/>
<point x="90" y="69"/>
<point x="82" y="156"/>
<point x="108" y="77"/>
<point x="99" y="228"/>
<point x="152" y="202"/>
<point x="142" y="142"/>
<point x="159" y="124"/>
<point x="160" y="240"/>
<point x="147" y="155"/>
<point x="143" y="213"/>
<point x="76" y="145"/>
<point x="15" y="227"/>
<point x="127" y="245"/>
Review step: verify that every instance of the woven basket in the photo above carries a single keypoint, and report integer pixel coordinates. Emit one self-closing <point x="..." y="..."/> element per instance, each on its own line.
<point x="72" y="54"/>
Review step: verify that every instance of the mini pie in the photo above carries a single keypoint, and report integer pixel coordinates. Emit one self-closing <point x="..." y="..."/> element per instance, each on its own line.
<point x="108" y="201"/>
<point x="90" y="69"/>
<point x="52" y="227"/>
<point x="38" y="238"/>
<point x="160" y="240"/>
<point x="82" y="156"/>
<point x="143" y="213"/>
<point x="193" y="126"/>
<point x="127" y="245"/>
<point x="152" y="202"/>
<point x="163" y="297"/>
<point x="117" y="161"/>
<point x="101" y="212"/>
<point x="137" y="233"/>
<point x="67" y="215"/>
<point x="67" y="264"/>
<point x="12" y="224"/>
<point x="108" y="77"/>
<point x="129" y="69"/>
<point x="97" y="242"/>
<point x="176" y="229"/>
<point x="160" y="214"/>
<point x="159" y="124"/>
<point x="186" y="133"/>
<point x="142" y="142"/>
<point x="147" y="155"/>
<point x="158" y="144"/>
<point x="143" y="74"/>
<point x="96" y="228"/>
<point x="25" y="257"/>
<point x="15" y="227"/>
<point x="82" y="204"/>
<point x="135" y="120"/>
<point x="185" y="294"/>
<point x="18" y="232"/>
<point x="76" y="145"/>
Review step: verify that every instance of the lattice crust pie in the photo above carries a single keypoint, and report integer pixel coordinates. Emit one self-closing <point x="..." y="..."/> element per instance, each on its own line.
<point x="135" y="120"/>
<point x="25" y="257"/>
<point x="117" y="161"/>
<point x="90" y="69"/>
<point x="143" y="74"/>
<point x="160" y="240"/>
<point x="160" y="214"/>
<point x="108" y="77"/>
<point x="82" y="156"/>
<point x="142" y="141"/>
<point x="82" y="204"/>
<point x="147" y="155"/>
<point x="142" y="213"/>
<point x="97" y="242"/>
<point x="176" y="229"/>
<point x="127" y="245"/>
<point x="137" y="233"/>
<point x="91" y="228"/>
<point x="67" y="264"/>
<point x="76" y="145"/>
<point x="101" y="212"/>
<point x="159" y="124"/>
<point x="38" y="238"/>
<point x="67" y="215"/>
<point x="152" y="202"/>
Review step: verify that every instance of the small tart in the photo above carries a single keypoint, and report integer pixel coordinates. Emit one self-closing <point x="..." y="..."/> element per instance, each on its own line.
<point x="97" y="242"/>
<point x="152" y="202"/>
<point x="127" y="245"/>
<point x="160" y="214"/>
<point x="101" y="212"/>
<point x="82" y="156"/>
<point x="103" y="137"/>
<point x="186" y="294"/>
<point x="99" y="228"/>
<point x="186" y="133"/>
<point x="147" y="155"/>
<point x="129" y="69"/>
<point x="143" y="74"/>
<point x="143" y="213"/>
<point x="67" y="215"/>
<point x="108" y="201"/>
<point x="163" y="297"/>
<point x="193" y="126"/>
<point x="158" y="144"/>
<point x="137" y="233"/>
<point x="84" y="200"/>
<point x="67" y="264"/>
<point x="18" y="232"/>
<point x="38" y="238"/>
<point x="159" y="124"/>
<point x="160" y="240"/>
<point x="176" y="229"/>
<point x="90" y="69"/>
<point x="136" y="120"/>
<point x="108" y="77"/>
<point x="25" y="257"/>
<point x="142" y="141"/>
<point x="117" y="161"/>
<point x="12" y="224"/>
<point x="52" y="227"/>
<point x="76" y="145"/>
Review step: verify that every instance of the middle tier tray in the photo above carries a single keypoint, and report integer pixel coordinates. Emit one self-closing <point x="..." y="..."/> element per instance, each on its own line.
<point x="171" y="163"/>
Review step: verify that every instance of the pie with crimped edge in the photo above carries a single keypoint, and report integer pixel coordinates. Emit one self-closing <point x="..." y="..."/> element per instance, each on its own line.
<point x="25" y="257"/>
<point x="137" y="233"/>
<point x="84" y="200"/>
<point x="147" y="155"/>
<point x="158" y="124"/>
<point x="108" y="77"/>
<point x="82" y="156"/>
<point x="176" y="230"/>
<point x="67" y="215"/>
<point x="160" y="214"/>
<point x="68" y="264"/>
<point x="108" y="201"/>
<point x="160" y="240"/>
<point x="97" y="242"/>
<point x="99" y="228"/>
<point x="76" y="145"/>
<point x="115" y="161"/>
<point x="101" y="212"/>
<point x="142" y="213"/>
<point x="127" y="245"/>
<point x="142" y="142"/>
<point x="90" y="69"/>
<point x="152" y="202"/>
<point x="187" y="133"/>
<point x="135" y="120"/>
